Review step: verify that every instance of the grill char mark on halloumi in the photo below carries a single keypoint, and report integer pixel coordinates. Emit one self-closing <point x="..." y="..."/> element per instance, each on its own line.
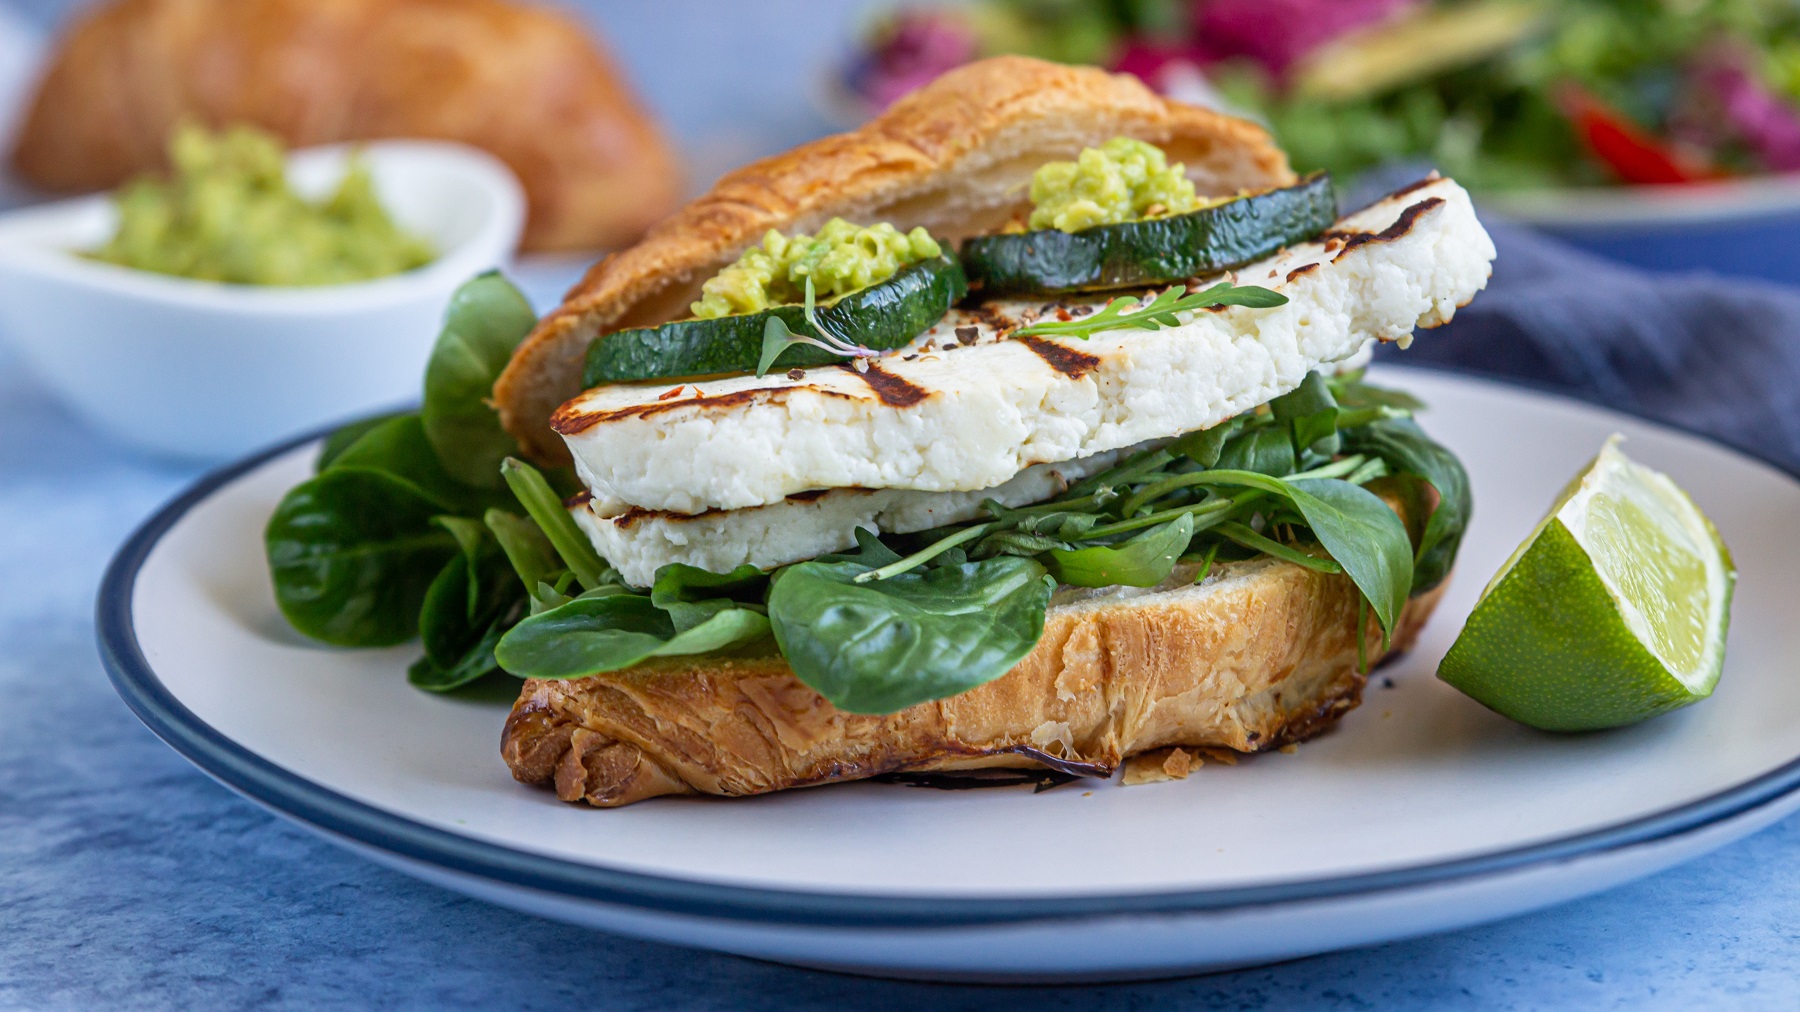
<point x="995" y="407"/>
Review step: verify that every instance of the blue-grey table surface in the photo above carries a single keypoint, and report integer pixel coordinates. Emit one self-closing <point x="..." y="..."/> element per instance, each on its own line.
<point x="128" y="879"/>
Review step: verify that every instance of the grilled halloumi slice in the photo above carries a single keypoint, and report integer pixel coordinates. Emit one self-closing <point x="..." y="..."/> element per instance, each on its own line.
<point x="806" y="525"/>
<point x="966" y="407"/>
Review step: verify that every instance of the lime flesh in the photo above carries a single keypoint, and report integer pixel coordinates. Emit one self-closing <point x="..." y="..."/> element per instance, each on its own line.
<point x="1614" y="611"/>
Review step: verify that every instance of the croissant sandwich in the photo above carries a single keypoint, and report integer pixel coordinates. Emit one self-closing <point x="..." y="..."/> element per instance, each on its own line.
<point x="1023" y="427"/>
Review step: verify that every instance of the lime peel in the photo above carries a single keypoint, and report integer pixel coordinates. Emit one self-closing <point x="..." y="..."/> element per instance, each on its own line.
<point x="1613" y="611"/>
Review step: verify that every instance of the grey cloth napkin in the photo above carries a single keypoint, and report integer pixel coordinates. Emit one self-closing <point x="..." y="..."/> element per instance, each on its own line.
<point x="1717" y="355"/>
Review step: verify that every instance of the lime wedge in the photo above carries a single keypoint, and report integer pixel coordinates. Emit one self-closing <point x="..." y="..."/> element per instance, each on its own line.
<point x="1613" y="611"/>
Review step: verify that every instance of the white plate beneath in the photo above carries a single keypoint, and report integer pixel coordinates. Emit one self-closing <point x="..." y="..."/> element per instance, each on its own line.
<point x="1421" y="812"/>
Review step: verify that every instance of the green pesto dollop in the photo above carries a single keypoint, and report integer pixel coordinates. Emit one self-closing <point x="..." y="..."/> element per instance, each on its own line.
<point x="1121" y="180"/>
<point x="227" y="213"/>
<point x="840" y="259"/>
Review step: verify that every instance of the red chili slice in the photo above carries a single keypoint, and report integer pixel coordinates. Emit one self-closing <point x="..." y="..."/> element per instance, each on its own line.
<point x="1634" y="154"/>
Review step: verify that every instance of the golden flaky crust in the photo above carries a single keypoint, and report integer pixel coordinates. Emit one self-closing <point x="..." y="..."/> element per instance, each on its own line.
<point x="955" y="156"/>
<point x="520" y="81"/>
<point x="1264" y="653"/>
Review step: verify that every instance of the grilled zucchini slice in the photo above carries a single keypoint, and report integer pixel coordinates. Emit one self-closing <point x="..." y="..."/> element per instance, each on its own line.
<point x="882" y="316"/>
<point x="1153" y="250"/>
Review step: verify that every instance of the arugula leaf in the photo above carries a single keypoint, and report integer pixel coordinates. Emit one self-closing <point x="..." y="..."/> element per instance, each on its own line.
<point x="1145" y="560"/>
<point x="1268" y="546"/>
<point x="352" y="553"/>
<point x="1407" y="449"/>
<point x="881" y="646"/>
<point x="1107" y="482"/>
<point x="1059" y="524"/>
<point x="606" y="632"/>
<point x="1158" y="312"/>
<point x="1360" y="532"/>
<point x="1013" y="542"/>
<point x="1311" y="414"/>
<point x="486" y="320"/>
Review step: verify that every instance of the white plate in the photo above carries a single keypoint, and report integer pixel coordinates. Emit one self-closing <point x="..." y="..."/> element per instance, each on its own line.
<point x="1421" y="812"/>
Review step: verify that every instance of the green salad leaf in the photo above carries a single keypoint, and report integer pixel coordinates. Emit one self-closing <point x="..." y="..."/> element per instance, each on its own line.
<point x="1206" y="445"/>
<point x="398" y="446"/>
<point x="487" y="319"/>
<point x="692" y="595"/>
<point x="532" y="555"/>
<point x="1311" y="414"/>
<point x="1144" y="560"/>
<point x="1265" y="450"/>
<point x="475" y="662"/>
<point x="473" y="591"/>
<point x="1405" y="446"/>
<point x="607" y="631"/>
<point x="1362" y="535"/>
<point x="346" y="436"/>
<point x="353" y="552"/>
<point x="881" y="646"/>
<point x="545" y="507"/>
<point x="389" y="541"/>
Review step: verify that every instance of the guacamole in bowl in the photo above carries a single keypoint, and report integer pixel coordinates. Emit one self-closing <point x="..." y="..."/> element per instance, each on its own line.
<point x="227" y="212"/>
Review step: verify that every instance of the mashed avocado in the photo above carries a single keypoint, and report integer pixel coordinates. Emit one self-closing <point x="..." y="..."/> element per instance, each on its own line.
<point x="1121" y="180"/>
<point x="840" y="259"/>
<point x="228" y="214"/>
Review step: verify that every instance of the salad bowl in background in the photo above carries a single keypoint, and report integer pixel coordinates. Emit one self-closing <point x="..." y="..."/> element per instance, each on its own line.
<point x="1743" y="228"/>
<point x="201" y="369"/>
<point x="1661" y="133"/>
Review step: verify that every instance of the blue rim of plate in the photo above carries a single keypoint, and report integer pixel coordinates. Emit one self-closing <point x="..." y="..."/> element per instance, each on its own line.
<point x="341" y="816"/>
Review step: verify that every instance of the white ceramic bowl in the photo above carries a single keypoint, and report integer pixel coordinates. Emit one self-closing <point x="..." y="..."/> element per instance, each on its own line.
<point x="202" y="369"/>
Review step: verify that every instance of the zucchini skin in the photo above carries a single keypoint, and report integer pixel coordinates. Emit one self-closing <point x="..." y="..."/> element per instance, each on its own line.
<point x="1154" y="250"/>
<point x="882" y="316"/>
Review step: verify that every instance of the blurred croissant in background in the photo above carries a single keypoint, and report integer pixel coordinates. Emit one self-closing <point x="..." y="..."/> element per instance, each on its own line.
<point x="525" y="84"/>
